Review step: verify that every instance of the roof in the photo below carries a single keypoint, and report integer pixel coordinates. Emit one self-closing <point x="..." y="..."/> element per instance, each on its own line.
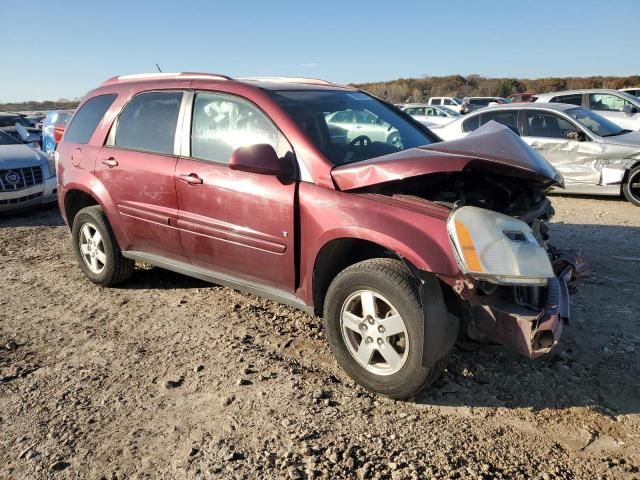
<point x="417" y="104"/>
<point x="269" y="83"/>
<point x="578" y="91"/>
<point x="560" y="107"/>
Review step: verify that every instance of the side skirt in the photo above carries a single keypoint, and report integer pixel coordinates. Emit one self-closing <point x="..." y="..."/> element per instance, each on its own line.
<point x="218" y="278"/>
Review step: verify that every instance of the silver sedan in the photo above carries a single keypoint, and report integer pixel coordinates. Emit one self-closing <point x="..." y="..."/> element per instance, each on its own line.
<point x="594" y="155"/>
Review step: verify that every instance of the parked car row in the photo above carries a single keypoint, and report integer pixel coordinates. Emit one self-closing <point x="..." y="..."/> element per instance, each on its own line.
<point x="27" y="176"/>
<point x="27" y="173"/>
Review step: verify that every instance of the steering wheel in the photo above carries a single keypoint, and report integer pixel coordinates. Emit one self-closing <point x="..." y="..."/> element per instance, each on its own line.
<point x="363" y="140"/>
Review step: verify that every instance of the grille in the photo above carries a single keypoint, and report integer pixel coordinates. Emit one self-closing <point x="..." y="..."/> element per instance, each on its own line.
<point x="26" y="177"/>
<point x="14" y="201"/>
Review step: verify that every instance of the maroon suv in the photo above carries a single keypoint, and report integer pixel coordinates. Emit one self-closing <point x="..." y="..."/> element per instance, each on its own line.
<point x="400" y="241"/>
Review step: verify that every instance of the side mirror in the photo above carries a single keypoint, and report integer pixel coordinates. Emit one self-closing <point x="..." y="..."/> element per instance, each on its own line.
<point x="574" y="135"/>
<point x="261" y="159"/>
<point x="626" y="109"/>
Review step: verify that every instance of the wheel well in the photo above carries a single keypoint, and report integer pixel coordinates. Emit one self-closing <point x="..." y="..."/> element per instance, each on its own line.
<point x="337" y="255"/>
<point x="74" y="201"/>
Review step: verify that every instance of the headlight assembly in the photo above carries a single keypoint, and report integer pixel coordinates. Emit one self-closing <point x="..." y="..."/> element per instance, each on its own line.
<point x="497" y="248"/>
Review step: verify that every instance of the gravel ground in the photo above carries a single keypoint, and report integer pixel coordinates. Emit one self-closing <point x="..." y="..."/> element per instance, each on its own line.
<point x="170" y="377"/>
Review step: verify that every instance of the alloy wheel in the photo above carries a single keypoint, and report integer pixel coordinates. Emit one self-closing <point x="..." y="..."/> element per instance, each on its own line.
<point x="92" y="248"/>
<point x="374" y="332"/>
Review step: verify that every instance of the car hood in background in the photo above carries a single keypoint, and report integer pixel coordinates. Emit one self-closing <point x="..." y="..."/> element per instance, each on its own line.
<point x="631" y="139"/>
<point x="19" y="156"/>
<point x="491" y="147"/>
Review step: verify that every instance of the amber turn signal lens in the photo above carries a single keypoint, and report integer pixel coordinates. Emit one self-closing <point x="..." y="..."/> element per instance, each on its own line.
<point x="468" y="250"/>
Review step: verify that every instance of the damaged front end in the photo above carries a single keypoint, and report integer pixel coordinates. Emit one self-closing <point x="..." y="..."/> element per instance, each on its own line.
<point x="513" y="286"/>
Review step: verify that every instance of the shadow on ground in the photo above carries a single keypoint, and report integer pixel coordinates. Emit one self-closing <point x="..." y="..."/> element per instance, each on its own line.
<point x="45" y="216"/>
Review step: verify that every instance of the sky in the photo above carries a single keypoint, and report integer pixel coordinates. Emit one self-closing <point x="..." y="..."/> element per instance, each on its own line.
<point x="71" y="46"/>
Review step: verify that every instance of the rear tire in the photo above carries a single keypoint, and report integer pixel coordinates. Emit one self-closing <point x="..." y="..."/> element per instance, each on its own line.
<point x="631" y="188"/>
<point x="97" y="249"/>
<point x="389" y="365"/>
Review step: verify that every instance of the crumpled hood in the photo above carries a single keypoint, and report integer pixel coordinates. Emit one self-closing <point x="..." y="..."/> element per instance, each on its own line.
<point x="491" y="147"/>
<point x="19" y="156"/>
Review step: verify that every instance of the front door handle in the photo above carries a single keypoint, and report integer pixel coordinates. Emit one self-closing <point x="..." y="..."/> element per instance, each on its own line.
<point x="110" y="162"/>
<point x="190" y="178"/>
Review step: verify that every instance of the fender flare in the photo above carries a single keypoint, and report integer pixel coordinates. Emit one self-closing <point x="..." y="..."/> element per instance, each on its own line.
<point x="439" y="328"/>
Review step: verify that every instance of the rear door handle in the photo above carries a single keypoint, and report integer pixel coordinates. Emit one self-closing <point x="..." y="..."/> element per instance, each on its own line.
<point x="190" y="178"/>
<point x="110" y="162"/>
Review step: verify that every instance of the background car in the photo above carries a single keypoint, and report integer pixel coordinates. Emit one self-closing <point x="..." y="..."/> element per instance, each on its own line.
<point x="454" y="103"/>
<point x="635" y="91"/>
<point x="8" y="123"/>
<point x="53" y="129"/>
<point x="594" y="155"/>
<point x="27" y="177"/>
<point x="524" y="97"/>
<point x="356" y="123"/>
<point x="469" y="104"/>
<point x="621" y="108"/>
<point x="430" y="115"/>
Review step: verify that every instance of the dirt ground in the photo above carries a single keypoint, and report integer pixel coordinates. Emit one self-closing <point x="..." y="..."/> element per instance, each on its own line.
<point x="170" y="377"/>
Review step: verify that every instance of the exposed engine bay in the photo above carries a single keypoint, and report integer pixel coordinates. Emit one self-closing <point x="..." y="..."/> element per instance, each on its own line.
<point x="490" y="312"/>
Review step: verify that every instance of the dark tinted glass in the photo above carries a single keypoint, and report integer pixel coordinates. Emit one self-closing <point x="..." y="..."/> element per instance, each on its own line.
<point x="547" y="125"/>
<point x="510" y="118"/>
<point x="575" y="99"/>
<point x="11" y="120"/>
<point x="471" y="124"/>
<point x="87" y="118"/>
<point x="148" y="122"/>
<point x="7" y="139"/>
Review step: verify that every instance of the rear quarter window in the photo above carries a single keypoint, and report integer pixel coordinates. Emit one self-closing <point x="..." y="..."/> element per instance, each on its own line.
<point x="575" y="99"/>
<point x="87" y="118"/>
<point x="471" y="124"/>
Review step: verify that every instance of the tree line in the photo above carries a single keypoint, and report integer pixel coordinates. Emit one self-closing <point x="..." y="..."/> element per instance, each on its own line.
<point x="34" y="106"/>
<point x="420" y="89"/>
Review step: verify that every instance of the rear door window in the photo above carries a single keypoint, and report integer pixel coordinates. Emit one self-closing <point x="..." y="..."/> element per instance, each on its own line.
<point x="148" y="122"/>
<point x="436" y="101"/>
<point x="87" y="118"/>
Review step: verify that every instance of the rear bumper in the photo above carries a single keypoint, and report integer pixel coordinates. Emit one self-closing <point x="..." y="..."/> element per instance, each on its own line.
<point x="40" y="194"/>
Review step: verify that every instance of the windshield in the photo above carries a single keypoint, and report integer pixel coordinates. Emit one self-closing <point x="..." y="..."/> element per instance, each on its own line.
<point x="450" y="112"/>
<point x="595" y="123"/>
<point x="348" y="126"/>
<point x="7" y="139"/>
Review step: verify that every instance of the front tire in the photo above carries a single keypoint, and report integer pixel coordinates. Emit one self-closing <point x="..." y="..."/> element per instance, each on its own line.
<point x="374" y="324"/>
<point x="97" y="249"/>
<point x="631" y="188"/>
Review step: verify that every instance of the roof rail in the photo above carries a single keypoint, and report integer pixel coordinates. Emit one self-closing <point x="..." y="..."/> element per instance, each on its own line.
<point x="312" y="81"/>
<point x="160" y="75"/>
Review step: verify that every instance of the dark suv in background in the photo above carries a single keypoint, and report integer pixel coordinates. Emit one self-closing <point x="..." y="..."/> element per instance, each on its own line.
<point x="397" y="244"/>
